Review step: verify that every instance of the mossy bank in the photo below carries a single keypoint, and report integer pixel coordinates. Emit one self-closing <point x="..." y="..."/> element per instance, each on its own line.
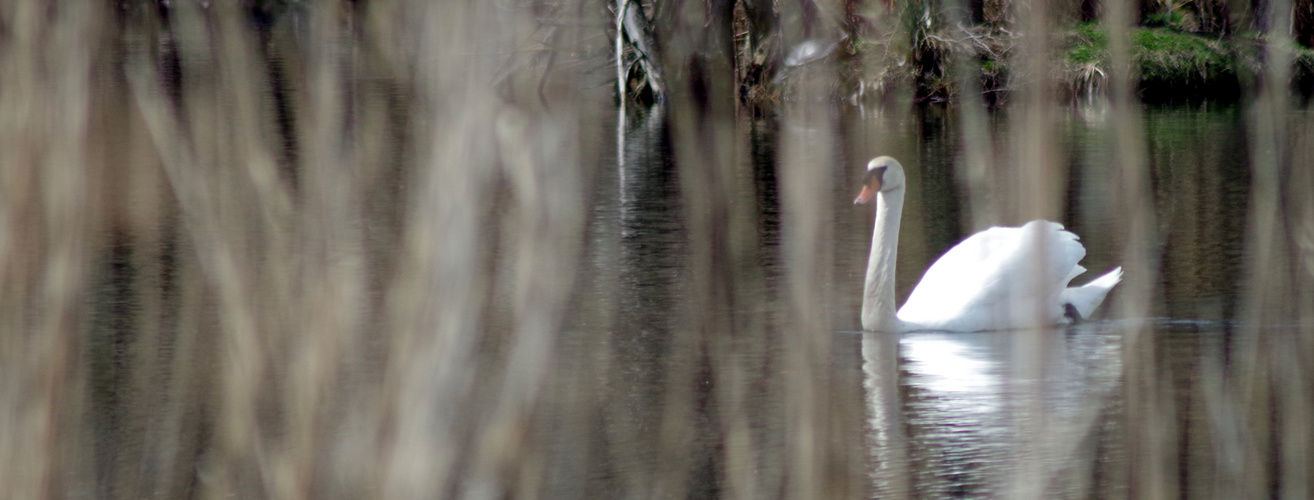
<point x="1173" y="65"/>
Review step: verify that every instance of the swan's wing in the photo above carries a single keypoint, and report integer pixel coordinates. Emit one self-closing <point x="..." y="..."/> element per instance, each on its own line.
<point x="980" y="283"/>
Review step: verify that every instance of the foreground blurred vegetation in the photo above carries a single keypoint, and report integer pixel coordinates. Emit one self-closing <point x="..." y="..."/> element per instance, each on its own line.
<point x="278" y="249"/>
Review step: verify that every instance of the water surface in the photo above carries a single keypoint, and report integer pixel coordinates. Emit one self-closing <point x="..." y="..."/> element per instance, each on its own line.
<point x="943" y="415"/>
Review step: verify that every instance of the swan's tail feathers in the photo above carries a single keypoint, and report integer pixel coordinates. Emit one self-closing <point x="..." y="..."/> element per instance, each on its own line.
<point x="1076" y="271"/>
<point x="1086" y="298"/>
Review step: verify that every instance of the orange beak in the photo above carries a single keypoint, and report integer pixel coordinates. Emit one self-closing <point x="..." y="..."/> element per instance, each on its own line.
<point x="867" y="192"/>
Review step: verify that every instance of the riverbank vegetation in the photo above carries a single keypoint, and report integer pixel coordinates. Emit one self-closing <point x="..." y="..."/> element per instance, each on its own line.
<point x="1179" y="50"/>
<point x="1172" y="64"/>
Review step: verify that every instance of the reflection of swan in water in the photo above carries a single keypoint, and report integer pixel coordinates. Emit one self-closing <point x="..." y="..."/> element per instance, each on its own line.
<point x="885" y="420"/>
<point x="950" y="412"/>
<point x="998" y="279"/>
<point x="936" y="410"/>
<point x="955" y="366"/>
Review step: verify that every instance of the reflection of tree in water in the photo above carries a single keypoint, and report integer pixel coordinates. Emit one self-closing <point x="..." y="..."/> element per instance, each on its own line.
<point x="651" y="251"/>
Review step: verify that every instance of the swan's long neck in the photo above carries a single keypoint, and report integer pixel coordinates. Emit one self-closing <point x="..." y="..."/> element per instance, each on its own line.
<point x="878" y="312"/>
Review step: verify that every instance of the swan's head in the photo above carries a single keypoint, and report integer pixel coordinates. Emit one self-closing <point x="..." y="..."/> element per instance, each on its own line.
<point x="884" y="174"/>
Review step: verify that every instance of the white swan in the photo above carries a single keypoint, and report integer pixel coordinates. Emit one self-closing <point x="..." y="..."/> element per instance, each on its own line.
<point x="999" y="279"/>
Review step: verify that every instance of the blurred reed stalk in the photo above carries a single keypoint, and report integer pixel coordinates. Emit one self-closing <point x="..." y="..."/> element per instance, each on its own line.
<point x="1148" y="411"/>
<point x="701" y="365"/>
<point x="1262" y="401"/>
<point x="819" y="415"/>
<point x="51" y="200"/>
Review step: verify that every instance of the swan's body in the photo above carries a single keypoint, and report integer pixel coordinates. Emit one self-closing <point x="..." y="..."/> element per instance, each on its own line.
<point x="998" y="279"/>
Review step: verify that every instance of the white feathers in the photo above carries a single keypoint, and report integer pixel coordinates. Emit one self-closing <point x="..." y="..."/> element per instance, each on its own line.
<point x="1004" y="278"/>
<point x="998" y="279"/>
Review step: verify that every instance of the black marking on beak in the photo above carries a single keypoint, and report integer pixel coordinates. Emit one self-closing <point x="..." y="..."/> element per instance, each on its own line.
<point x="876" y="176"/>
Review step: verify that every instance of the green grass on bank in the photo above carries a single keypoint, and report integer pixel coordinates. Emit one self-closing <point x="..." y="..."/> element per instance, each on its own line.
<point x="1168" y="63"/>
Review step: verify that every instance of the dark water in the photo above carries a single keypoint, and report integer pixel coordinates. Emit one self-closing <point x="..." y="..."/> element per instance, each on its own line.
<point x="943" y="416"/>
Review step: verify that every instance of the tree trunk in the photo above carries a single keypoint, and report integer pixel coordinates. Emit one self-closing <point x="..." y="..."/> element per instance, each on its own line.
<point x="635" y="30"/>
<point x="762" y="53"/>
